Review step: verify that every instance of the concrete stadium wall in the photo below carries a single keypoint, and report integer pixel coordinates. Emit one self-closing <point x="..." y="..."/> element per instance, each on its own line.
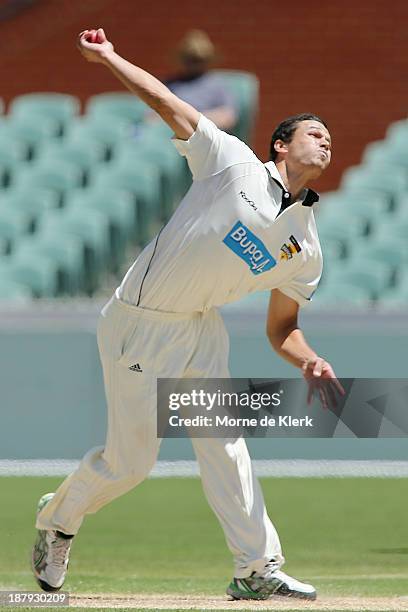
<point x="343" y="59"/>
<point x="52" y="400"/>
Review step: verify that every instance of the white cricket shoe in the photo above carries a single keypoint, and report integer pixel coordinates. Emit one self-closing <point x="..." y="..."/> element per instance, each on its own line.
<point x="50" y="555"/>
<point x="268" y="583"/>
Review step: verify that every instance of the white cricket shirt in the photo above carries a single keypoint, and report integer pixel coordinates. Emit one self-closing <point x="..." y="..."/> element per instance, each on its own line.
<point x="230" y="235"/>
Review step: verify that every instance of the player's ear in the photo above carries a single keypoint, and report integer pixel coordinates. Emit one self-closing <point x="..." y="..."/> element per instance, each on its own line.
<point x="280" y="146"/>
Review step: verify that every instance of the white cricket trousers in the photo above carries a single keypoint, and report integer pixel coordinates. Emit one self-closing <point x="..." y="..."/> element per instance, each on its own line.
<point x="165" y="345"/>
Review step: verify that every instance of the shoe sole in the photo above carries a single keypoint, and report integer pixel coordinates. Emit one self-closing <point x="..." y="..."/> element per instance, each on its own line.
<point x="249" y="596"/>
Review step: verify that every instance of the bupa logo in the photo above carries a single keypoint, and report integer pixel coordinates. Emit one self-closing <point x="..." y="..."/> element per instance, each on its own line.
<point x="248" y="247"/>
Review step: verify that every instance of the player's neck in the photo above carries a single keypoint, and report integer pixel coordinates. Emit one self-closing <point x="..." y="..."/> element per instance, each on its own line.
<point x="294" y="180"/>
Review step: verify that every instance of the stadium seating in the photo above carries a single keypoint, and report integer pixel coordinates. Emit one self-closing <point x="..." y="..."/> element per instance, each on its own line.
<point x="33" y="202"/>
<point x="37" y="273"/>
<point x="56" y="175"/>
<point x="397" y="296"/>
<point x="386" y="153"/>
<point x="397" y="134"/>
<point x="99" y="132"/>
<point x="341" y="295"/>
<point x="62" y="108"/>
<point x="29" y="130"/>
<point x="13" y="291"/>
<point x="91" y="229"/>
<point x="118" y="206"/>
<point x="14" y="223"/>
<point x="362" y="274"/>
<point x="64" y="251"/>
<point x="79" y="153"/>
<point x="354" y="202"/>
<point x="13" y="155"/>
<point x="244" y="88"/>
<point x="116" y="105"/>
<point x="389" y="180"/>
<point x="142" y="181"/>
<point x="162" y="155"/>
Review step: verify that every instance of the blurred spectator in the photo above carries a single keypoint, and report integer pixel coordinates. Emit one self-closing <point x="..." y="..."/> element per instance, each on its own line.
<point x="197" y="85"/>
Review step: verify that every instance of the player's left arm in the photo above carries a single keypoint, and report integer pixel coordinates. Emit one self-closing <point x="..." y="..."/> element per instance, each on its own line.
<point x="287" y="339"/>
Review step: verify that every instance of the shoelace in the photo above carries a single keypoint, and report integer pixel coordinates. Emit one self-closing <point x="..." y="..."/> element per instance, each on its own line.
<point x="274" y="573"/>
<point x="59" y="548"/>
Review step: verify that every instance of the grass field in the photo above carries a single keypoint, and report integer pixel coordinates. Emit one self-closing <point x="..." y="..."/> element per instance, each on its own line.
<point x="347" y="536"/>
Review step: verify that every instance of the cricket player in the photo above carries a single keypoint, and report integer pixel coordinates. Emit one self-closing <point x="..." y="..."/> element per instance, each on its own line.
<point x="243" y="226"/>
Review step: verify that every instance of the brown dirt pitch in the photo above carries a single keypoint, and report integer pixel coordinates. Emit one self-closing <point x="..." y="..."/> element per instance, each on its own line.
<point x="173" y="601"/>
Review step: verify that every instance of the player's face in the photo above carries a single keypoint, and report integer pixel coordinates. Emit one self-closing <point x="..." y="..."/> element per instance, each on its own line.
<point x="310" y="146"/>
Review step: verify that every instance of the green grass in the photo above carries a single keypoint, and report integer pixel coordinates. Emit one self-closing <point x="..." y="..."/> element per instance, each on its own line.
<point x="347" y="536"/>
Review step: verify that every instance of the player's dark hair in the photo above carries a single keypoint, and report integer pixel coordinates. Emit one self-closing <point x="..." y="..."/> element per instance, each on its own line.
<point x="287" y="128"/>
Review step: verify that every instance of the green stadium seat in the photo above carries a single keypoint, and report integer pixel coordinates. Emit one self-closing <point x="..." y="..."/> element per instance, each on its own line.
<point x="92" y="230"/>
<point x="10" y="291"/>
<point x="393" y="252"/>
<point x="98" y="131"/>
<point x="396" y="297"/>
<point x="32" y="202"/>
<point x="119" y="209"/>
<point x="334" y="248"/>
<point x="357" y="225"/>
<point x="116" y="105"/>
<point x="13" y="225"/>
<point x="161" y="154"/>
<point x="401" y="207"/>
<point x="56" y="175"/>
<point x="4" y="246"/>
<point x="78" y="153"/>
<point x="374" y="278"/>
<point x="5" y="176"/>
<point x="62" y="108"/>
<point x="142" y="181"/>
<point x="336" y="228"/>
<point x="244" y="88"/>
<point x="158" y="134"/>
<point x="386" y="152"/>
<point x="362" y="203"/>
<point x="341" y="295"/>
<point x="29" y="130"/>
<point x="384" y="179"/>
<point x="65" y="251"/>
<point x="13" y="153"/>
<point x="397" y="134"/>
<point x="38" y="273"/>
<point x="391" y="230"/>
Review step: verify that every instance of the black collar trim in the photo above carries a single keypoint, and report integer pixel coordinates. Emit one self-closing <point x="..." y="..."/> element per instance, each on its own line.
<point x="310" y="199"/>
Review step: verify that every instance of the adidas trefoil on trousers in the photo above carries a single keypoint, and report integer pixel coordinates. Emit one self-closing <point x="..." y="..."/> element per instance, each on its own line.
<point x="136" y="347"/>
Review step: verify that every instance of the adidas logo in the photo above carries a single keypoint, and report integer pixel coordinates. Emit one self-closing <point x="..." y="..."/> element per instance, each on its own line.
<point x="135" y="368"/>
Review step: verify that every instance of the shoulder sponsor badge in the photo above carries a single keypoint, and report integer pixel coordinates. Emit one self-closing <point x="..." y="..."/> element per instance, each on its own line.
<point x="248" y="247"/>
<point x="288" y="250"/>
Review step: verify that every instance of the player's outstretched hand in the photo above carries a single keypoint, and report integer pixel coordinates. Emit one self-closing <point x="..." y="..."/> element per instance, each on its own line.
<point x="322" y="381"/>
<point x="94" y="45"/>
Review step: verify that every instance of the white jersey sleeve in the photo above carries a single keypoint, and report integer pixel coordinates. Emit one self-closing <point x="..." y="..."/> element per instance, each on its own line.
<point x="302" y="288"/>
<point x="210" y="150"/>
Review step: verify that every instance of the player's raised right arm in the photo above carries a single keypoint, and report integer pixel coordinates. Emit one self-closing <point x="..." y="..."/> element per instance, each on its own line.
<point x="180" y="116"/>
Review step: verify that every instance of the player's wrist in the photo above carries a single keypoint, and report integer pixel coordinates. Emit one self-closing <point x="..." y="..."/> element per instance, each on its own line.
<point x="107" y="56"/>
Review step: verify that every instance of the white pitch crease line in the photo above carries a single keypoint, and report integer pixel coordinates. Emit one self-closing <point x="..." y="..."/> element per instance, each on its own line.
<point x="280" y="468"/>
